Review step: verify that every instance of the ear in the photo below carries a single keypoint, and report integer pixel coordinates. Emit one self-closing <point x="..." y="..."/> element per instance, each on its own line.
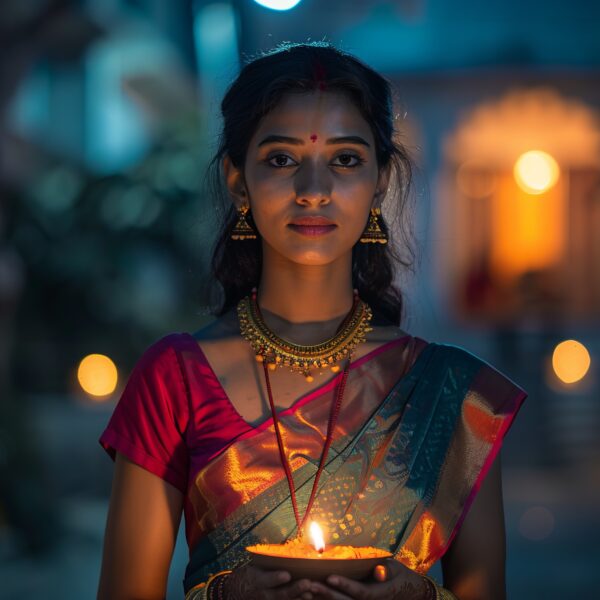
<point x="383" y="181"/>
<point x="234" y="180"/>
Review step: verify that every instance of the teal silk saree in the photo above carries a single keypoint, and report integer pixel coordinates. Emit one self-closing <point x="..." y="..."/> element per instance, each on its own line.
<point x="419" y="429"/>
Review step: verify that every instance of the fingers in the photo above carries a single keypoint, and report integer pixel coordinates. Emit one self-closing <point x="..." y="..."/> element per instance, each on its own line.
<point x="270" y="579"/>
<point x="324" y="592"/>
<point x="392" y="568"/>
<point x="274" y="582"/>
<point x="298" y="590"/>
<point x="380" y="573"/>
<point x="354" y="589"/>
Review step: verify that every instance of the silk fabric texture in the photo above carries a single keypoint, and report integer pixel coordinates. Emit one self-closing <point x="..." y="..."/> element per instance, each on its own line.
<point x="419" y="427"/>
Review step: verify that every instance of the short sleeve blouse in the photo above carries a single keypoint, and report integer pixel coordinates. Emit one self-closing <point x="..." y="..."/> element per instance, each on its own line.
<point x="150" y="420"/>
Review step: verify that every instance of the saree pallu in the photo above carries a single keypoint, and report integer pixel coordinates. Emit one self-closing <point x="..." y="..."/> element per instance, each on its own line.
<point x="410" y="452"/>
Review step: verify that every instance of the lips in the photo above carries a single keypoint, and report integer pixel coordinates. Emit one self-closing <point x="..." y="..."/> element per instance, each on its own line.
<point x="313" y="221"/>
<point x="312" y="230"/>
<point x="312" y="225"/>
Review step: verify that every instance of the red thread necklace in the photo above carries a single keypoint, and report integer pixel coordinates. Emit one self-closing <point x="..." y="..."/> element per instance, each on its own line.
<point x="333" y="415"/>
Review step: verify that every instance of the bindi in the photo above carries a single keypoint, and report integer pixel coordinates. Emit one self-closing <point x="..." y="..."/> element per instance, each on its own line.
<point x="313" y="138"/>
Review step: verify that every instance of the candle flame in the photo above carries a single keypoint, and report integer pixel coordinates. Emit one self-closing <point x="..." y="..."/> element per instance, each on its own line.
<point x="316" y="535"/>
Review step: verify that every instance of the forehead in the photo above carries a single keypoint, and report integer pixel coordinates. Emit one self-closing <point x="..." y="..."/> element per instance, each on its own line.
<point x="325" y="113"/>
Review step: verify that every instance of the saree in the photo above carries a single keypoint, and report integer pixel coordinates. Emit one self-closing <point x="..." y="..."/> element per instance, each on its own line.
<point x="420" y="426"/>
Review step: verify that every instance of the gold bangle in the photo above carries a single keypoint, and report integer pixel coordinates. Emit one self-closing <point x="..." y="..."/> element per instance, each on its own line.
<point x="212" y="578"/>
<point x="200" y="595"/>
<point x="433" y="586"/>
<point x="202" y="588"/>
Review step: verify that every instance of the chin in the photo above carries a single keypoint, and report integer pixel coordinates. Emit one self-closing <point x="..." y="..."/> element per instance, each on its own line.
<point x="315" y="254"/>
<point x="313" y="258"/>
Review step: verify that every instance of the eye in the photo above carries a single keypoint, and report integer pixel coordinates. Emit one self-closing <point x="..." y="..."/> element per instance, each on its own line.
<point x="346" y="160"/>
<point x="281" y="160"/>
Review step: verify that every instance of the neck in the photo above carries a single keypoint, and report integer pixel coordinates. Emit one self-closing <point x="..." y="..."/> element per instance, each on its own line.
<point x="305" y="304"/>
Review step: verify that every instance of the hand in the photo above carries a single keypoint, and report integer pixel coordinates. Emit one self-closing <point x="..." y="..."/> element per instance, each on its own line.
<point x="259" y="584"/>
<point x="393" y="581"/>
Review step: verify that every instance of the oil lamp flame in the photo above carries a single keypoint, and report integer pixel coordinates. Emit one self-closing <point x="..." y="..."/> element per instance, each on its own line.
<point x="317" y="537"/>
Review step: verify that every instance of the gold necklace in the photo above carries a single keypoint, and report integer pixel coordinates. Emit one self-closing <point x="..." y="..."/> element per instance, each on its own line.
<point x="277" y="352"/>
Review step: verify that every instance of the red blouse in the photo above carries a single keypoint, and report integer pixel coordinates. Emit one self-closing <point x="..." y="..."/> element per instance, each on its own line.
<point x="174" y="416"/>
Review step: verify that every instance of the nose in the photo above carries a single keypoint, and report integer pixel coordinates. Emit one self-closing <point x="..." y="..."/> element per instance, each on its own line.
<point x="313" y="184"/>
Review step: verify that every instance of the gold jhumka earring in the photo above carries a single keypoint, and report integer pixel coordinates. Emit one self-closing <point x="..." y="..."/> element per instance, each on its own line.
<point x="243" y="230"/>
<point x="374" y="234"/>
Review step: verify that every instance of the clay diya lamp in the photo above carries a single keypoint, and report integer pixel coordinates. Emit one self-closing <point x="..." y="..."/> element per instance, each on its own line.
<point x="316" y="561"/>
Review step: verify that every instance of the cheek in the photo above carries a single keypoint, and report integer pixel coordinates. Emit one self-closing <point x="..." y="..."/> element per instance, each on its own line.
<point x="354" y="207"/>
<point x="358" y="190"/>
<point x="268" y="192"/>
<point x="269" y="211"/>
<point x="269" y="198"/>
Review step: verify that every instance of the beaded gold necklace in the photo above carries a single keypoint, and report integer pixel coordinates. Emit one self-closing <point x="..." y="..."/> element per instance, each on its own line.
<point x="277" y="352"/>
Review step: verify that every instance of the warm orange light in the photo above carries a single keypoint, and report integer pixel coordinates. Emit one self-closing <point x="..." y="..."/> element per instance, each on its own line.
<point x="97" y="375"/>
<point x="536" y="172"/>
<point x="570" y="361"/>
<point x="316" y="535"/>
<point x="528" y="232"/>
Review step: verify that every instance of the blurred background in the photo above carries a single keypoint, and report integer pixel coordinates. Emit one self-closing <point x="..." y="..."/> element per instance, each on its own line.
<point x="108" y="118"/>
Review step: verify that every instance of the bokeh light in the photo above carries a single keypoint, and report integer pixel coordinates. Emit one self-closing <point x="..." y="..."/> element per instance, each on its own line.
<point x="536" y="172"/>
<point x="570" y="361"/>
<point x="97" y="375"/>
<point x="278" y="4"/>
<point x="536" y="523"/>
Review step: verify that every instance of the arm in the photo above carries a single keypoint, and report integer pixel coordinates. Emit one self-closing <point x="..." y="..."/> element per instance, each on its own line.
<point x="474" y="565"/>
<point x="141" y="529"/>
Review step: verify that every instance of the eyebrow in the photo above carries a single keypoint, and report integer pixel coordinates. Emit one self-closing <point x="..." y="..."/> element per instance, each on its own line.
<point x="283" y="139"/>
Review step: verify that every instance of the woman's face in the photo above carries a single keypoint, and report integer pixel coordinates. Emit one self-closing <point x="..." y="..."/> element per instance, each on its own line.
<point x="312" y="156"/>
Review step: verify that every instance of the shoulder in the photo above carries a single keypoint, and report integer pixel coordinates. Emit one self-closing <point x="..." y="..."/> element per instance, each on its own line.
<point x="161" y="359"/>
<point x="460" y="358"/>
<point x="457" y="356"/>
<point x="478" y="382"/>
<point x="451" y="356"/>
<point x="165" y="345"/>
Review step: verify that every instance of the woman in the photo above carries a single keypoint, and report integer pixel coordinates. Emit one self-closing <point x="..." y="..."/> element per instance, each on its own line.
<point x="304" y="399"/>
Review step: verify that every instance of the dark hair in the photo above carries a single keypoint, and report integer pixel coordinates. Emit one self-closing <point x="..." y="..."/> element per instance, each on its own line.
<point x="236" y="265"/>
